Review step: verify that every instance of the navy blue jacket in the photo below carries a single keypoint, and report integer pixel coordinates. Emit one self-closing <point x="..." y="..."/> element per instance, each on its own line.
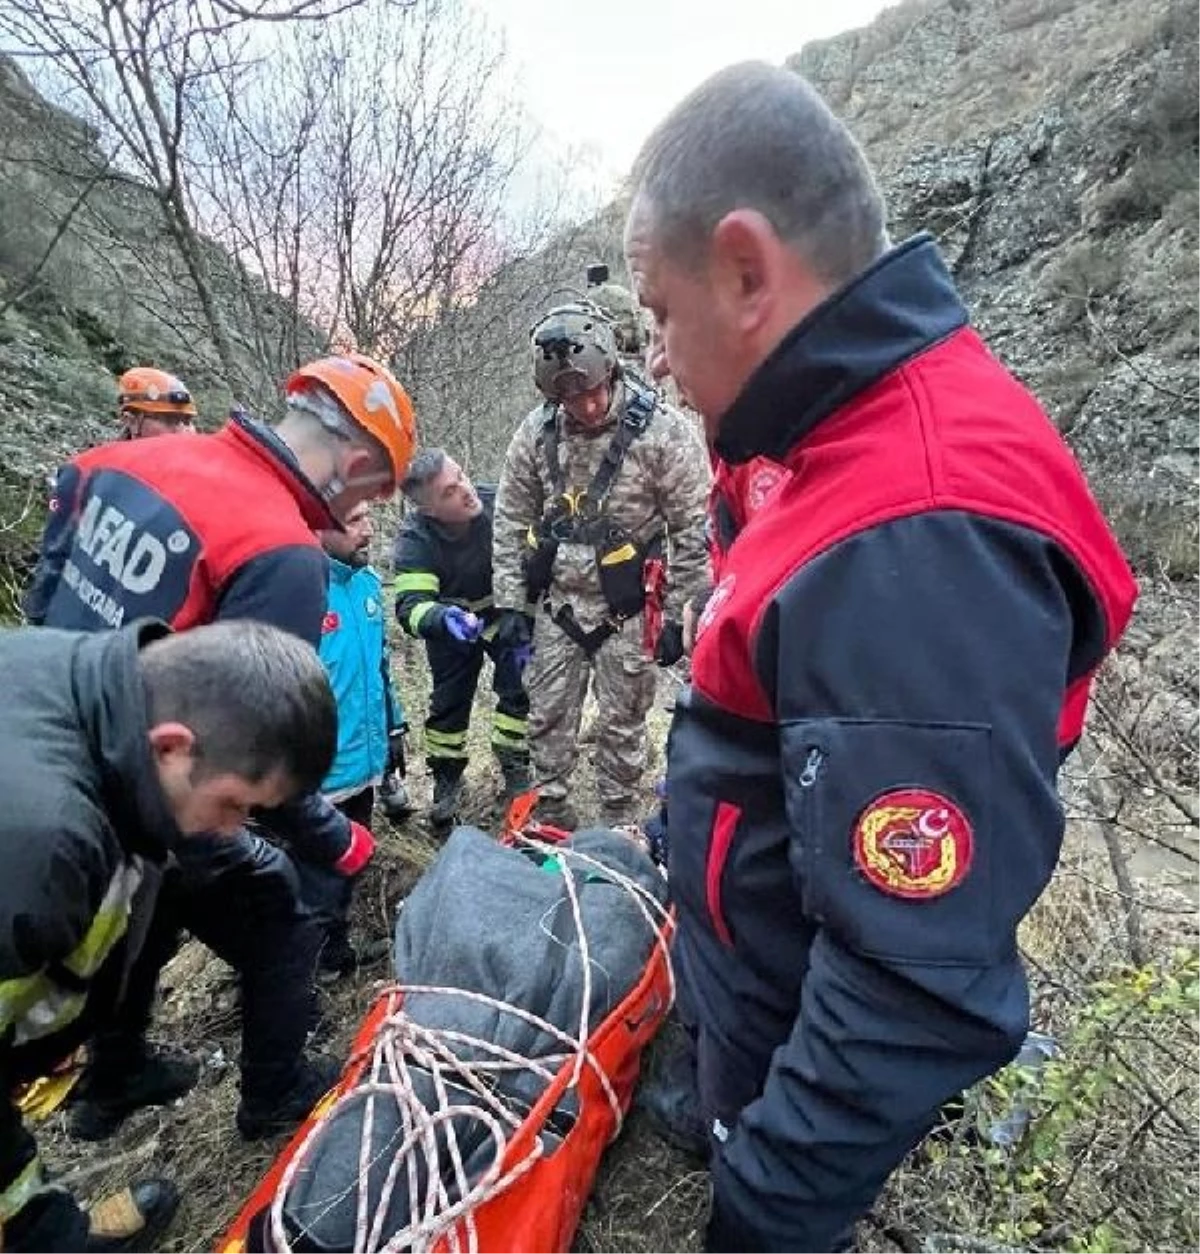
<point x="863" y="774"/>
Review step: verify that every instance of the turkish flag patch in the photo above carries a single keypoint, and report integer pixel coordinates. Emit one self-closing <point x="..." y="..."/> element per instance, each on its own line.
<point x="912" y="842"/>
<point x="331" y="622"/>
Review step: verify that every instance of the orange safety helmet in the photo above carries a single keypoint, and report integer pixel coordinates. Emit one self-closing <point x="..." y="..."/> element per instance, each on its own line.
<point x="371" y="396"/>
<point x="144" y="390"/>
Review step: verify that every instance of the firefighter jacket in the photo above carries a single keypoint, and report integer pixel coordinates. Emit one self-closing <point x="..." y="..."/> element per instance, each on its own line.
<point x="85" y="831"/>
<point x="193" y="529"/>
<point x="863" y="772"/>
<point x="436" y="566"/>
<point x="660" y="490"/>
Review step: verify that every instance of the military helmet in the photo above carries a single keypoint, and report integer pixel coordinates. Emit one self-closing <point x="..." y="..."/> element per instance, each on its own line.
<point x="619" y="307"/>
<point x="574" y="350"/>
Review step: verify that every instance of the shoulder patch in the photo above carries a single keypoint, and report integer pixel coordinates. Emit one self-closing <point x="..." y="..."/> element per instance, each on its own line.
<point x="912" y="842"/>
<point x="716" y="600"/>
<point x="330" y="623"/>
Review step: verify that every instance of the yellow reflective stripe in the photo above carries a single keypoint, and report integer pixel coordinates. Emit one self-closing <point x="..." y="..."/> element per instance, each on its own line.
<point x="16" y="1197"/>
<point x="626" y="553"/>
<point x="484" y="603"/>
<point x="416" y="581"/>
<point x="506" y="722"/>
<point x="445" y="744"/>
<point x="507" y="740"/>
<point x="109" y="924"/>
<point x="444" y="751"/>
<point x="418" y="613"/>
<point x="17" y="997"/>
<point x="37" y="1005"/>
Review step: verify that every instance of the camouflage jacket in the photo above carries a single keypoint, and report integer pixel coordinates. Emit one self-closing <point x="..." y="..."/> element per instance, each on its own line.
<point x="662" y="487"/>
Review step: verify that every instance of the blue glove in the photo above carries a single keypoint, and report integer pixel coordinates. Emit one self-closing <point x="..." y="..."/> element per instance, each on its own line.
<point x="523" y="655"/>
<point x="461" y="625"/>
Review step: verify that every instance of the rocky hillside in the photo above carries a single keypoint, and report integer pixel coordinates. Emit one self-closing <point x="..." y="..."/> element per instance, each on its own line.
<point x="91" y="282"/>
<point x="1050" y="145"/>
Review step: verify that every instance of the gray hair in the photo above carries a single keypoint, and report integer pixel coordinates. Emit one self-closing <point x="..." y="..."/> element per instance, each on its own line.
<point x="256" y="698"/>
<point x="422" y="470"/>
<point x="755" y="136"/>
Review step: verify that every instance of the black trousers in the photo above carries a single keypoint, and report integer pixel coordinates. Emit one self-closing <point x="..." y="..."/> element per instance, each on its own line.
<point x="240" y="896"/>
<point x="326" y="893"/>
<point x="455" y="670"/>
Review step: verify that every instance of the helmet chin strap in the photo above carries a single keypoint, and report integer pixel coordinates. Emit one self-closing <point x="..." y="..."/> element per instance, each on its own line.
<point x="336" y="485"/>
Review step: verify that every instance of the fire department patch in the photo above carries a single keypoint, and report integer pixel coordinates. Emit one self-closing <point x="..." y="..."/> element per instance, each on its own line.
<point x="913" y="843"/>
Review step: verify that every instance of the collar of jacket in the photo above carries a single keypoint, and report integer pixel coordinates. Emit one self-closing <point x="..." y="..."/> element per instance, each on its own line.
<point x="341" y="572"/>
<point x="257" y="440"/>
<point x="898" y="307"/>
<point x="112" y="711"/>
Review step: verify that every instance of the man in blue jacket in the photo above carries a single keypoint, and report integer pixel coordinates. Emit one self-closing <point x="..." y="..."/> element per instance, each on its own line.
<point x="894" y="662"/>
<point x="371" y="727"/>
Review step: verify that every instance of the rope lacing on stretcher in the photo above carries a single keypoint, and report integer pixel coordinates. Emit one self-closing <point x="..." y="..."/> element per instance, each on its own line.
<point x="402" y="1043"/>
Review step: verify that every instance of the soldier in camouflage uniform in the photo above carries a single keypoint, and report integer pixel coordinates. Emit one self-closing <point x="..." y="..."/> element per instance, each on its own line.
<point x="577" y="540"/>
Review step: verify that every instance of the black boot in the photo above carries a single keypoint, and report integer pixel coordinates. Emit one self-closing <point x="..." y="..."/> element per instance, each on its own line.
<point x="133" y="1219"/>
<point x="447" y="795"/>
<point x="338" y="955"/>
<point x="123" y="1080"/>
<point x="668" y="1092"/>
<point x="265" y="1114"/>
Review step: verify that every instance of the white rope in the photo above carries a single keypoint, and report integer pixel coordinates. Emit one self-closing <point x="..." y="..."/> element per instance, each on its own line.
<point x="442" y="1210"/>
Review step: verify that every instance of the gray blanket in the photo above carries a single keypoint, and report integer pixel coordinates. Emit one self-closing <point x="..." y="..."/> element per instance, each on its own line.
<point x="496" y="921"/>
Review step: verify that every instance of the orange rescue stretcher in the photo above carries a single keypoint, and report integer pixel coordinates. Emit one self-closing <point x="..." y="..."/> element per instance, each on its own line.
<point x="541" y="1209"/>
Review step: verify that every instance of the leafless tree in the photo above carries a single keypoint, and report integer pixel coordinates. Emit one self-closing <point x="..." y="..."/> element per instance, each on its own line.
<point x="365" y="179"/>
<point x="140" y="72"/>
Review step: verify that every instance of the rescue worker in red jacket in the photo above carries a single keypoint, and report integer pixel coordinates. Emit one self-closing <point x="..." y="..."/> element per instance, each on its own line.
<point x="893" y="665"/>
<point x="150" y="403"/>
<point x="198" y="528"/>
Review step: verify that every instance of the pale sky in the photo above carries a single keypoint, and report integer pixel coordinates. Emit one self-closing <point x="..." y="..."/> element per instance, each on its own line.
<point x="598" y="76"/>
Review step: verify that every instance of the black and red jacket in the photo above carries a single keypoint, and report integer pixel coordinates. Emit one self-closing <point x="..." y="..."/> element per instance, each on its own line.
<point x="894" y="661"/>
<point x="738" y="492"/>
<point x="192" y="528"/>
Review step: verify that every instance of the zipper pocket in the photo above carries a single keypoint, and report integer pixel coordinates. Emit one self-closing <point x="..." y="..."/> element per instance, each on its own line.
<point x="725" y="822"/>
<point x="810" y="836"/>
